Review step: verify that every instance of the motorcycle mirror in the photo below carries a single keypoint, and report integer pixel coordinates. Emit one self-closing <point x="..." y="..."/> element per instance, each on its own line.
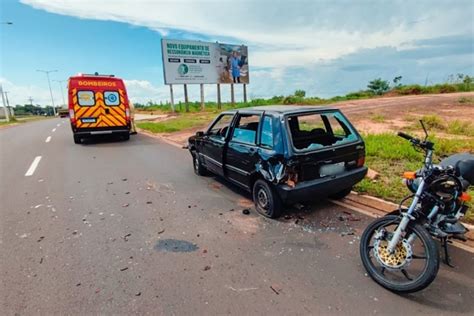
<point x="424" y="129"/>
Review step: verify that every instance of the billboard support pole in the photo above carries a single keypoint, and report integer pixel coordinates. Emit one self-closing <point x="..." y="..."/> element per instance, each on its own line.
<point x="202" y="96"/>
<point x="172" y="98"/>
<point x="219" y="104"/>
<point x="7" y="116"/>
<point x="232" y="96"/>
<point x="186" y="100"/>
<point x="245" y="93"/>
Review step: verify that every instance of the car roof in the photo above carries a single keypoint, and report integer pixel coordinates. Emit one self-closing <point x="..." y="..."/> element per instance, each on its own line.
<point x="284" y="109"/>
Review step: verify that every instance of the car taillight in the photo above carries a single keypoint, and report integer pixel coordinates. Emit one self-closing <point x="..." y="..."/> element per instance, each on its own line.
<point x="361" y="161"/>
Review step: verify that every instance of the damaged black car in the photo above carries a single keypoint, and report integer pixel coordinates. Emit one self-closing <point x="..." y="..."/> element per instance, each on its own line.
<point x="282" y="154"/>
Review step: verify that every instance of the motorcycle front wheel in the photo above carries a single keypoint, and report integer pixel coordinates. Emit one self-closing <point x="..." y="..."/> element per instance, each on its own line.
<point x="411" y="267"/>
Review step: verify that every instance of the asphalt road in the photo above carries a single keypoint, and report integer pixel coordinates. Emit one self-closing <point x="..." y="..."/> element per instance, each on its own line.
<point x="127" y="228"/>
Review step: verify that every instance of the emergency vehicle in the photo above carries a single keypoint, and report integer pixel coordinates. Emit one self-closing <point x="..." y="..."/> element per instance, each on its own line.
<point x="98" y="105"/>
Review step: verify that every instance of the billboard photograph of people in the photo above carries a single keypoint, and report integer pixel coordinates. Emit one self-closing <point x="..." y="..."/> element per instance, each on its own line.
<point x="233" y="64"/>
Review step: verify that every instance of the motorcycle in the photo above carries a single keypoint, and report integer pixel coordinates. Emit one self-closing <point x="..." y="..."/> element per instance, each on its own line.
<point x="399" y="250"/>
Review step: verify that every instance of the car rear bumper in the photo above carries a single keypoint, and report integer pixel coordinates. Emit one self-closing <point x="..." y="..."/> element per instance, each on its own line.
<point x="308" y="190"/>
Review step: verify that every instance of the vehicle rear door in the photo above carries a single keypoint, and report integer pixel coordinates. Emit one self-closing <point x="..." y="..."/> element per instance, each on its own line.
<point x="242" y="153"/>
<point x="86" y="109"/>
<point x="213" y="143"/>
<point x="113" y="104"/>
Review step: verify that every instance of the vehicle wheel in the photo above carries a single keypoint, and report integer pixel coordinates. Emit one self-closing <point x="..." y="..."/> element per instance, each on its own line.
<point x="199" y="169"/>
<point x="267" y="202"/>
<point x="126" y="136"/>
<point x="77" y="139"/>
<point x="412" y="267"/>
<point x="341" y="194"/>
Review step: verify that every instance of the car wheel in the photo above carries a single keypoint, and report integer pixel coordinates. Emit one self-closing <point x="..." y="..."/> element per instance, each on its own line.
<point x="341" y="194"/>
<point x="199" y="169"/>
<point x="267" y="202"/>
<point x="77" y="139"/>
<point x="126" y="136"/>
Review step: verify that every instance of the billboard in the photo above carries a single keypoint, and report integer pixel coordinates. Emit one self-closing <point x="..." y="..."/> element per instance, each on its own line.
<point x="188" y="62"/>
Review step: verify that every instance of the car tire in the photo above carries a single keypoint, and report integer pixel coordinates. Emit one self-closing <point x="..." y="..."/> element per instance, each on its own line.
<point x="77" y="139"/>
<point x="341" y="194"/>
<point x="126" y="136"/>
<point x="199" y="169"/>
<point x="267" y="202"/>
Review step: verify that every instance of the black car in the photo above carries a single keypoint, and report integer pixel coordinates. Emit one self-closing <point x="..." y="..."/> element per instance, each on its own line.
<point x="282" y="154"/>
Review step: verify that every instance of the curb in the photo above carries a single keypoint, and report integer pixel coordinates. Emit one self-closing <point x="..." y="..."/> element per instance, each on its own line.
<point x="379" y="207"/>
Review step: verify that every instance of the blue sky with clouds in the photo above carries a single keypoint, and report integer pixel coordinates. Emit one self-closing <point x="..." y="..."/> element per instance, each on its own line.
<point x="324" y="47"/>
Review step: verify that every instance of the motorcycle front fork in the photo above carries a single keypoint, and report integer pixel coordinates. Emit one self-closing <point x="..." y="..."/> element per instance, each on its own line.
<point x="406" y="218"/>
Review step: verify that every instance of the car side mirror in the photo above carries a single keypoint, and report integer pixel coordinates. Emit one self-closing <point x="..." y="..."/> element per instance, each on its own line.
<point x="199" y="133"/>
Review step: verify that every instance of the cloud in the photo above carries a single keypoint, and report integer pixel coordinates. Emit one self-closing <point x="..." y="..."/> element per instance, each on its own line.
<point x="284" y="33"/>
<point x="19" y="94"/>
<point x="326" y="48"/>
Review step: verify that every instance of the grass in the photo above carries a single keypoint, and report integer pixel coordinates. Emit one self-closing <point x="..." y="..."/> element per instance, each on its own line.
<point x="390" y="156"/>
<point x="378" y="118"/>
<point x="466" y="100"/>
<point x="179" y="123"/>
<point x="22" y="119"/>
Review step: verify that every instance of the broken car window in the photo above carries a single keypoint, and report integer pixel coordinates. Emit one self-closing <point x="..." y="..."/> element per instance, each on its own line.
<point x="220" y="127"/>
<point x="314" y="131"/>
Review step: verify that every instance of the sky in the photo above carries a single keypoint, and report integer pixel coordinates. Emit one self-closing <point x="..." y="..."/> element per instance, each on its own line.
<point x="326" y="48"/>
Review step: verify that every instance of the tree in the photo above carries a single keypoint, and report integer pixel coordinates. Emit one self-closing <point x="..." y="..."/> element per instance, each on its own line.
<point x="378" y="86"/>
<point x="300" y="93"/>
<point x="397" y="81"/>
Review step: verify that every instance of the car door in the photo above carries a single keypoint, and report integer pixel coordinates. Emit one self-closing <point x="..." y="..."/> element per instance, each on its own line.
<point x="214" y="143"/>
<point x="242" y="153"/>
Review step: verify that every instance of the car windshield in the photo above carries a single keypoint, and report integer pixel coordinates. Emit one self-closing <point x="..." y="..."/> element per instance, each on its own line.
<point x="319" y="130"/>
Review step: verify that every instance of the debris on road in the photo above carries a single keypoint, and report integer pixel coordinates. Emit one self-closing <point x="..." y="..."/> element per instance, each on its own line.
<point x="124" y="269"/>
<point x="124" y="179"/>
<point x="246" y="211"/>
<point x="175" y="245"/>
<point x="275" y="289"/>
<point x="40" y="239"/>
<point x="126" y="236"/>
<point x="138" y="293"/>
<point x="161" y="231"/>
<point x="149" y="202"/>
<point x="125" y="205"/>
<point x="206" y="268"/>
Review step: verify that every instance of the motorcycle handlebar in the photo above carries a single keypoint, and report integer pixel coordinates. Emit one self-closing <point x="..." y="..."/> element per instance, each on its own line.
<point x="406" y="136"/>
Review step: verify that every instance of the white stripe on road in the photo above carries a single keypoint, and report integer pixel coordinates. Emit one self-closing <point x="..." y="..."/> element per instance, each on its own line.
<point x="48" y="139"/>
<point x="33" y="166"/>
<point x="58" y="125"/>
<point x="53" y="130"/>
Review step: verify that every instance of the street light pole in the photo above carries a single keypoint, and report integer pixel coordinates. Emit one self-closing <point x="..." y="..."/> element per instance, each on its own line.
<point x="7" y="115"/>
<point x="62" y="91"/>
<point x="49" y="84"/>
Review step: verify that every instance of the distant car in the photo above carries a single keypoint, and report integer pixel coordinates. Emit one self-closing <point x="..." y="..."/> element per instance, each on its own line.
<point x="63" y="112"/>
<point x="282" y="154"/>
<point x="98" y="105"/>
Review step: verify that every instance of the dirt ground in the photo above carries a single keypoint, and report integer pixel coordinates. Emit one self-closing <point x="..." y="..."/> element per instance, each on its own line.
<point x="386" y="114"/>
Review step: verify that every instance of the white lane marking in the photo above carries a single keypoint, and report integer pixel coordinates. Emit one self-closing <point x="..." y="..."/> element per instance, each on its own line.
<point x="58" y="125"/>
<point x="48" y="139"/>
<point x="33" y="166"/>
<point x="53" y="130"/>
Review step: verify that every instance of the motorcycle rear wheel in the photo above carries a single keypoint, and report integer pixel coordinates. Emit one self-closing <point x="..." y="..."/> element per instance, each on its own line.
<point x="373" y="256"/>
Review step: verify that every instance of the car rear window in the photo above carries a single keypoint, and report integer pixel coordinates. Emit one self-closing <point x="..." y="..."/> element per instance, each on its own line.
<point x="319" y="130"/>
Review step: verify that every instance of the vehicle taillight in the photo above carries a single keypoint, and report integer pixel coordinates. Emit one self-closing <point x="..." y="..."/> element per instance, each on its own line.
<point x="71" y="115"/>
<point x="127" y="114"/>
<point x="361" y="161"/>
